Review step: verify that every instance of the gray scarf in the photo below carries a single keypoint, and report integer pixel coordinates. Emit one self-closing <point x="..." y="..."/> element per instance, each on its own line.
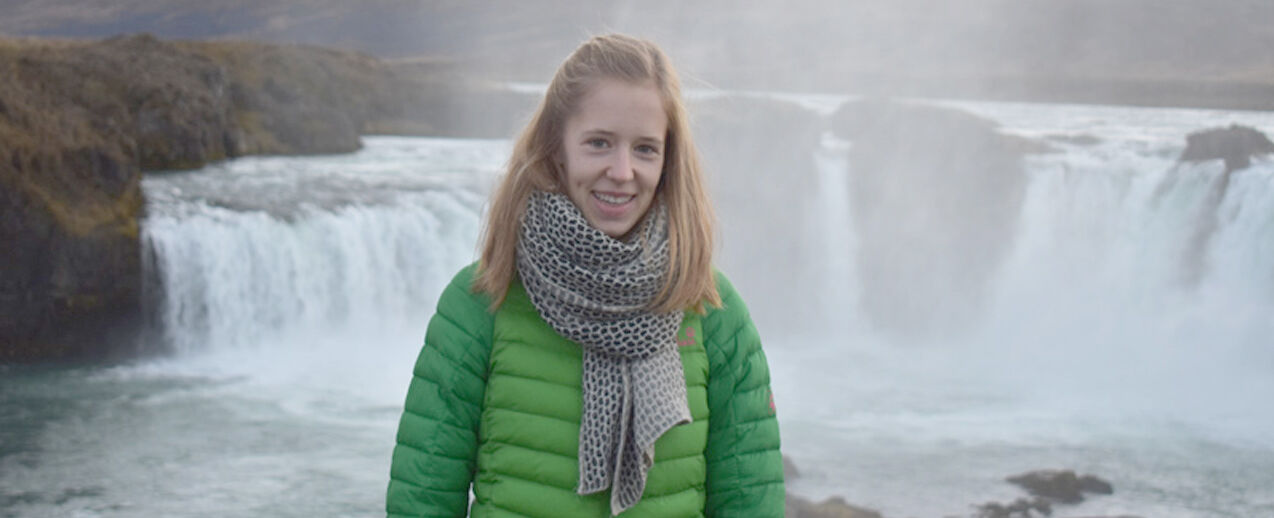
<point x="596" y="291"/>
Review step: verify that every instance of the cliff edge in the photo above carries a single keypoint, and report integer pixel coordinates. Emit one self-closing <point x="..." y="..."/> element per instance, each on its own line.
<point x="80" y="121"/>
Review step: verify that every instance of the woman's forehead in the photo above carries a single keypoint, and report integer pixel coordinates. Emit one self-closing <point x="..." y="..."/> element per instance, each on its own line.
<point x="613" y="106"/>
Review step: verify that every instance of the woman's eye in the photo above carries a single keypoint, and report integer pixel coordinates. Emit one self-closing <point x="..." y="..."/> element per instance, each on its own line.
<point x="597" y="143"/>
<point x="647" y="149"/>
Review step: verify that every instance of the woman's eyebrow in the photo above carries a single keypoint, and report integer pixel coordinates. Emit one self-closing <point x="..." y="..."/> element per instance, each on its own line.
<point x="609" y="133"/>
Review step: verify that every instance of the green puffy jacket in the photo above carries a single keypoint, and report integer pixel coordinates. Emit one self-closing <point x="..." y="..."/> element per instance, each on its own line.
<point x="495" y="402"/>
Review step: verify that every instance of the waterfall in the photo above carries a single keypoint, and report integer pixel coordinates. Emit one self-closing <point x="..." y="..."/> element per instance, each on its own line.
<point x="834" y="239"/>
<point x="277" y="252"/>
<point x="246" y="279"/>
<point x="1131" y="281"/>
<point x="1125" y="330"/>
<point x="1112" y="243"/>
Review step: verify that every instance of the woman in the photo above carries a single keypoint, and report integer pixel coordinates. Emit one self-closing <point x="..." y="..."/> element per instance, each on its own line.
<point x="591" y="363"/>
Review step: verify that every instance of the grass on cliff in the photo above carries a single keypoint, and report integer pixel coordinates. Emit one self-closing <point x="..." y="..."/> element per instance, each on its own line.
<point x="53" y="151"/>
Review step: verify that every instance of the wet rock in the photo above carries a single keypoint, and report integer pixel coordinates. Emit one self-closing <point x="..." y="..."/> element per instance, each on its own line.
<point x="1077" y="140"/>
<point x="1020" y="508"/>
<point x="835" y="507"/>
<point x="1236" y="145"/>
<point x="1061" y="486"/>
<point x="1094" y="485"/>
<point x="789" y="469"/>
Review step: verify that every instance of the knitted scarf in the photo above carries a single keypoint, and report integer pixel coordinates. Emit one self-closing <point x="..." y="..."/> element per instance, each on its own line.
<point x="595" y="290"/>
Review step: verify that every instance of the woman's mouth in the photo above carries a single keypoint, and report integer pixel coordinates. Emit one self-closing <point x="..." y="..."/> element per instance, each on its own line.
<point x="613" y="199"/>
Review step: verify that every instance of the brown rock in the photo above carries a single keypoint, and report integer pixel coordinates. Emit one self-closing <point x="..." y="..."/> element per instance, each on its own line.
<point x="1061" y="486"/>
<point x="835" y="507"/>
<point x="789" y="469"/>
<point x="1236" y="145"/>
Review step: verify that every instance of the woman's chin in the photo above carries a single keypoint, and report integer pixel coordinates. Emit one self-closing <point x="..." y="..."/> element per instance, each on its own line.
<point x="613" y="220"/>
<point x="614" y="229"/>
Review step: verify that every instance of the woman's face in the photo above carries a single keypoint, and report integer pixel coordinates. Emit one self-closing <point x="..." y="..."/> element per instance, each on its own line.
<point x="613" y="153"/>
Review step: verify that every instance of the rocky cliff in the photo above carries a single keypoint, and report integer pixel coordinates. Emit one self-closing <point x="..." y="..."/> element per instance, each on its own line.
<point x="80" y="121"/>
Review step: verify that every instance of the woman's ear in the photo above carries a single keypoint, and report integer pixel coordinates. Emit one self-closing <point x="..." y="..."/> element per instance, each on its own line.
<point x="559" y="169"/>
<point x="559" y="161"/>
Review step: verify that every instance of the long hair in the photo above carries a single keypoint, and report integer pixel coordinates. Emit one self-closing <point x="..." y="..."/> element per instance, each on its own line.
<point x="690" y="282"/>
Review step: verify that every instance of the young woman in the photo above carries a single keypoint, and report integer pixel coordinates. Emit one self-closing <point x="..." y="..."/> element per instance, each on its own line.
<point x="592" y="363"/>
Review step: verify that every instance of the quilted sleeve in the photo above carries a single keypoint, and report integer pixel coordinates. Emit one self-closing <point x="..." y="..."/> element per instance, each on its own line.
<point x="435" y="455"/>
<point x="745" y="467"/>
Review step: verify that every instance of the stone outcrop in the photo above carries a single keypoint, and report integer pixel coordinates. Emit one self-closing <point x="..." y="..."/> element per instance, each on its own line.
<point x="70" y="199"/>
<point x="1020" y="508"/>
<point x="834" y="507"/>
<point x="80" y="121"/>
<point x="1047" y="488"/>
<point x="789" y="470"/>
<point x="936" y="194"/>
<point x="1061" y="486"/>
<point x="1236" y="145"/>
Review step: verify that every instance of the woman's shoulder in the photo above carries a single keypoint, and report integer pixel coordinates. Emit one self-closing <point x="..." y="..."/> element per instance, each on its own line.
<point x="732" y="316"/>
<point x="461" y="294"/>
<point x="731" y="302"/>
<point x="464" y="278"/>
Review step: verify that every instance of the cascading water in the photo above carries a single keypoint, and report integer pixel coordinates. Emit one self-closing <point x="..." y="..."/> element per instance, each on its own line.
<point x="1126" y="333"/>
<point x="254" y="253"/>
<point x="835" y="232"/>
<point x="232" y="279"/>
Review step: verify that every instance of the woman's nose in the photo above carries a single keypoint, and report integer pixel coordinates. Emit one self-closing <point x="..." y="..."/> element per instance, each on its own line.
<point x="621" y="168"/>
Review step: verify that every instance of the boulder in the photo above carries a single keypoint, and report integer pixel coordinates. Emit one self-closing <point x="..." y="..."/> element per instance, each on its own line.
<point x="1236" y="145"/>
<point x="1020" y="508"/>
<point x="835" y="507"/>
<point x="789" y="469"/>
<point x="1061" y="486"/>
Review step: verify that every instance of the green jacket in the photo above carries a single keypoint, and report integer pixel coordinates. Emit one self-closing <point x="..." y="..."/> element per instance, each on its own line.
<point x="495" y="402"/>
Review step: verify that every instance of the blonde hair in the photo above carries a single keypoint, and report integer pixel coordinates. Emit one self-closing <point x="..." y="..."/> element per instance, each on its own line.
<point x="690" y="282"/>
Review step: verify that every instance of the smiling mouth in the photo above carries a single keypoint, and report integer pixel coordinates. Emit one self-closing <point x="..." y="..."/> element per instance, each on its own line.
<point x="612" y="199"/>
